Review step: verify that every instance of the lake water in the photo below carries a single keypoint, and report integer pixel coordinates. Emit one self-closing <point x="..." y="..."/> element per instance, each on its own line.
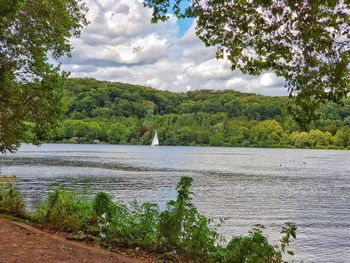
<point x="245" y="185"/>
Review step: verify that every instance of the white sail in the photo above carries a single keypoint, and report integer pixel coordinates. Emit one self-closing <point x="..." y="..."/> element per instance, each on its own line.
<point x="155" y="141"/>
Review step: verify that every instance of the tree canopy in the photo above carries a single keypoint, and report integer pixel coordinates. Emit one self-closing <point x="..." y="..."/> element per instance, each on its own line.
<point x="121" y="113"/>
<point x="305" y="41"/>
<point x="31" y="33"/>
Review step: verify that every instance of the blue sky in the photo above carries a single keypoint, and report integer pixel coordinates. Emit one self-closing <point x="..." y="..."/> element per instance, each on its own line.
<point x="184" y="25"/>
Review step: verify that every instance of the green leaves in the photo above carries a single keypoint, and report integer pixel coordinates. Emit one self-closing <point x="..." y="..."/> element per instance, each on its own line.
<point x="255" y="248"/>
<point x="30" y="87"/>
<point x="179" y="230"/>
<point x="183" y="229"/>
<point x="289" y="233"/>
<point x="11" y="201"/>
<point x="306" y="42"/>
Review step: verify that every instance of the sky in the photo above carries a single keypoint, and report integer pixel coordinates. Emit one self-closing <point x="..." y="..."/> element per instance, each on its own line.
<point x="120" y="44"/>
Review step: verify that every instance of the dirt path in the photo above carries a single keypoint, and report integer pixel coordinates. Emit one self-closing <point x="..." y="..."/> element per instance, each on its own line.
<point x="21" y="243"/>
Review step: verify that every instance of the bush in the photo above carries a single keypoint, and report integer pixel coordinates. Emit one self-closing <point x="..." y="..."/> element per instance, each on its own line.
<point x="103" y="206"/>
<point x="65" y="210"/>
<point x="122" y="225"/>
<point x="182" y="228"/>
<point x="253" y="248"/>
<point x="11" y="201"/>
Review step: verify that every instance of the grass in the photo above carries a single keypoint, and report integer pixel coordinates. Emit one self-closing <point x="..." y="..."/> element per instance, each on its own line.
<point x="179" y="230"/>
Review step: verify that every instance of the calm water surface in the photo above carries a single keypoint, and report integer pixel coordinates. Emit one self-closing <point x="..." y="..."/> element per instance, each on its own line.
<point x="245" y="185"/>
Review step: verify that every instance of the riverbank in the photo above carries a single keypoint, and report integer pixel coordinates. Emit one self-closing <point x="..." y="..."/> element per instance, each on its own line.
<point x="276" y="146"/>
<point x="177" y="234"/>
<point x="21" y="242"/>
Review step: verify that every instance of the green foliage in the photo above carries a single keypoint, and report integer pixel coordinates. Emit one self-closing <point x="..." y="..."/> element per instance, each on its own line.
<point x="184" y="229"/>
<point x="193" y="118"/>
<point x="65" y="210"/>
<point x="303" y="41"/>
<point x="118" y="133"/>
<point x="253" y="248"/>
<point x="342" y="137"/>
<point x="179" y="229"/>
<point x="312" y="139"/>
<point x="31" y="89"/>
<point x="217" y="139"/>
<point x="266" y="133"/>
<point x="136" y="225"/>
<point x="11" y="201"/>
<point x="103" y="206"/>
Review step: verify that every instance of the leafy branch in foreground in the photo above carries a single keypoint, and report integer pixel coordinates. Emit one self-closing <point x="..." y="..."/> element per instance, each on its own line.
<point x="305" y="41"/>
<point x="179" y="231"/>
<point x="31" y="89"/>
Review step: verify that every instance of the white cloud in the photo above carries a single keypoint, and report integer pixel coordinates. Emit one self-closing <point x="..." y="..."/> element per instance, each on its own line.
<point x="121" y="44"/>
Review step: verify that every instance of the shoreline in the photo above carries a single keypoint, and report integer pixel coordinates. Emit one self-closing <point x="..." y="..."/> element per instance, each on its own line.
<point x="22" y="242"/>
<point x="202" y="146"/>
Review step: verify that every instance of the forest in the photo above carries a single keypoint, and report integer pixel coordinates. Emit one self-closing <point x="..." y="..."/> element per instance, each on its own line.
<point x="119" y="113"/>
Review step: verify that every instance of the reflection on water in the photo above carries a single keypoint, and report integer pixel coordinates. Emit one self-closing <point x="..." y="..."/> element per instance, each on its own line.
<point x="247" y="186"/>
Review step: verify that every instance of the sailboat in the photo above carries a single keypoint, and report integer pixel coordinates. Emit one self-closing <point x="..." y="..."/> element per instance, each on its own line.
<point x="155" y="141"/>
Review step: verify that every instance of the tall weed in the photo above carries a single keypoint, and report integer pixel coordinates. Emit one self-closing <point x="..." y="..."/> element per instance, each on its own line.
<point x="119" y="224"/>
<point x="11" y="201"/>
<point x="65" y="210"/>
<point x="183" y="228"/>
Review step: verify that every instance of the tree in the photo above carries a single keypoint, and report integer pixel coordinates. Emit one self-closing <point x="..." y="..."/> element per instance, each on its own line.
<point x="314" y="138"/>
<point x="236" y="134"/>
<point x="233" y="107"/>
<point x="342" y="137"/>
<point x="31" y="32"/>
<point x="266" y="133"/>
<point x="217" y="139"/>
<point x="304" y="41"/>
<point x="118" y="133"/>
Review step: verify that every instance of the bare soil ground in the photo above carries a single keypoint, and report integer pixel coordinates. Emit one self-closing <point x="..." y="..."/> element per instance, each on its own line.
<point x="22" y="243"/>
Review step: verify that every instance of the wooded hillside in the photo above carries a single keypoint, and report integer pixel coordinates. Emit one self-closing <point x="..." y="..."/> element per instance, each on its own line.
<point x="128" y="114"/>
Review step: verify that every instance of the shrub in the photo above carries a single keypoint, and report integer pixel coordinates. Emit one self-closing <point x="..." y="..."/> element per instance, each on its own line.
<point x="122" y="225"/>
<point x="253" y="248"/>
<point x="65" y="210"/>
<point x="103" y="205"/>
<point x="182" y="228"/>
<point x="11" y="201"/>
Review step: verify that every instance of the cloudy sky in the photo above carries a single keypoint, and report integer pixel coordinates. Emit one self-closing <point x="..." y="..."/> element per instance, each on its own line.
<point x="120" y="44"/>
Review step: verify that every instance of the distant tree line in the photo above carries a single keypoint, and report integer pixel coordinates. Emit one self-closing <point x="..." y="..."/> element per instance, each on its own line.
<point x="127" y="114"/>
